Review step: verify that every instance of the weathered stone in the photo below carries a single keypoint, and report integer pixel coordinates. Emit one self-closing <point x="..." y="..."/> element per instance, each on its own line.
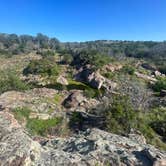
<point x="157" y="73"/>
<point x="145" y="77"/>
<point x="113" y="67"/>
<point x="74" y="99"/>
<point x="96" y="80"/>
<point x="62" y="80"/>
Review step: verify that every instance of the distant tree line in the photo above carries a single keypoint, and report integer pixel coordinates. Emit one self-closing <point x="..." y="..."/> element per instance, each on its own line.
<point x="152" y="51"/>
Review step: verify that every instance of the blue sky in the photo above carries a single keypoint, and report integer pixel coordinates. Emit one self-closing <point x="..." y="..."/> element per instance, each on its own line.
<point x="82" y="20"/>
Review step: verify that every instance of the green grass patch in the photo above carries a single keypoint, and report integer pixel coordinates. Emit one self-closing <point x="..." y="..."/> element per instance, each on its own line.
<point x="34" y="125"/>
<point x="42" y="127"/>
<point x="109" y="75"/>
<point x="57" y="99"/>
<point x="21" y="113"/>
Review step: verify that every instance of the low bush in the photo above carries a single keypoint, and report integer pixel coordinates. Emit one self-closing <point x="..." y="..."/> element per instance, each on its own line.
<point x="47" y="53"/>
<point x="10" y="81"/>
<point x="45" y="67"/>
<point x="37" y="126"/>
<point x="76" y="121"/>
<point x="21" y="113"/>
<point x="120" y="116"/>
<point x="160" y="84"/>
<point x="42" y="127"/>
<point x="128" y="69"/>
<point x="93" y="58"/>
<point x="109" y="75"/>
<point x="67" y="58"/>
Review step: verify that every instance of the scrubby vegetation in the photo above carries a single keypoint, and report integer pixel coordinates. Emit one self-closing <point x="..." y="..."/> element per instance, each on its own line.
<point x="10" y="81"/>
<point x="45" y="67"/>
<point x="43" y="127"/>
<point x="37" y="126"/>
<point x="121" y="118"/>
<point x="128" y="69"/>
<point x="93" y="58"/>
<point x="160" y="84"/>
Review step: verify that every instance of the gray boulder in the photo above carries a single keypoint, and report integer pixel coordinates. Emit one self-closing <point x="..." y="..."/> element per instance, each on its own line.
<point x="74" y="99"/>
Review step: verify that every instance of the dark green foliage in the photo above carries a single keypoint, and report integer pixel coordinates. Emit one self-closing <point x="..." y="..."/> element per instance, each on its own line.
<point x="93" y="58"/>
<point x="121" y="118"/>
<point x="128" y="69"/>
<point x="160" y="84"/>
<point x="14" y="44"/>
<point x="160" y="128"/>
<point x="76" y="120"/>
<point x="90" y="93"/>
<point x="120" y="115"/>
<point x="67" y="58"/>
<point x="10" y="81"/>
<point x="109" y="75"/>
<point x="45" y="66"/>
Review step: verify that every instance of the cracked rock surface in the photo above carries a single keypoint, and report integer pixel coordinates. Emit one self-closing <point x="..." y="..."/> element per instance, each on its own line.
<point x="91" y="147"/>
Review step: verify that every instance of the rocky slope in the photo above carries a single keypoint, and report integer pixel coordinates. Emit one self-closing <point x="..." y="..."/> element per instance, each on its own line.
<point x="92" y="147"/>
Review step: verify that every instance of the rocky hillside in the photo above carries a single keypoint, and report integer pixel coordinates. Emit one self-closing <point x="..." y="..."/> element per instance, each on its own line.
<point x="91" y="147"/>
<point x="75" y="104"/>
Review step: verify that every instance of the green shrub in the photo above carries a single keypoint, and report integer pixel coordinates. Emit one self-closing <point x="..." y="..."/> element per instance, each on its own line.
<point x="90" y="93"/>
<point x="120" y="116"/>
<point x="21" y="113"/>
<point x="159" y="127"/>
<point x="160" y="84"/>
<point x="37" y="126"/>
<point x="45" y="66"/>
<point x="67" y="58"/>
<point x="144" y="124"/>
<point x="76" y="120"/>
<point x="95" y="59"/>
<point x="10" y="81"/>
<point x="42" y="127"/>
<point x="128" y="69"/>
<point x="109" y="75"/>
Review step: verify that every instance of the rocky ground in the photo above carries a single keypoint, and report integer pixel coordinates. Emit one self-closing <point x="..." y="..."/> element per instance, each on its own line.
<point x="92" y="147"/>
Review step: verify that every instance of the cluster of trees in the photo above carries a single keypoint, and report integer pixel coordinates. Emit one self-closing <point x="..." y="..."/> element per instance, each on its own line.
<point x="15" y="44"/>
<point x="154" y="51"/>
